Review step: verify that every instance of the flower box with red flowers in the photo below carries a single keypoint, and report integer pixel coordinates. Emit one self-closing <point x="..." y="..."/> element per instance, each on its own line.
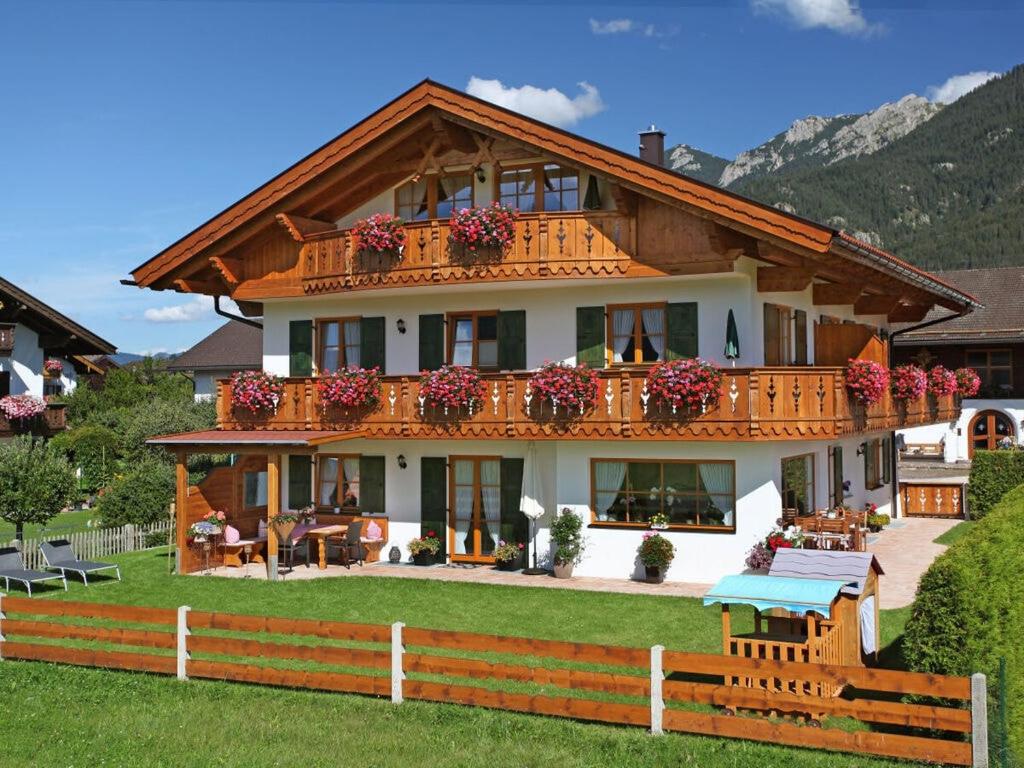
<point x="942" y="382"/>
<point x="968" y="382"/>
<point x="490" y="228"/>
<point x="21" y="410"/>
<point x="53" y="368"/>
<point x="908" y="382"/>
<point x="352" y="388"/>
<point x="257" y="392"/>
<point x="866" y="380"/>
<point x="569" y="390"/>
<point x="685" y="385"/>
<point x="381" y="233"/>
<point x="452" y="389"/>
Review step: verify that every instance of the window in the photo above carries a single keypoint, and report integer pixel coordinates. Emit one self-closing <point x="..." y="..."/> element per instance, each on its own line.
<point x="52" y="387"/>
<point x="798" y="484"/>
<point x="541" y="187"/>
<point x="473" y="340"/>
<point x="637" y="333"/>
<point x="254" y="489"/>
<point x="338" y="482"/>
<point x="873" y="464"/>
<point x="694" y="494"/>
<point x="433" y="197"/>
<point x="994" y="366"/>
<point x="339" y="344"/>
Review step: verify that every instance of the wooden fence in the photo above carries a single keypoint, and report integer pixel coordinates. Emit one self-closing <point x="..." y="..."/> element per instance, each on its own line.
<point x="95" y="543"/>
<point x="653" y="688"/>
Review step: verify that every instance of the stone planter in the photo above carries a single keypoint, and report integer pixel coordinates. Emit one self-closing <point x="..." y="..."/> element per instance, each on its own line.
<point x="563" y="570"/>
<point x="653" y="574"/>
<point x="423" y="558"/>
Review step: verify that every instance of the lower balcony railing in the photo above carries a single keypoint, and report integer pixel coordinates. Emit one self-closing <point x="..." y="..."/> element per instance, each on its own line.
<point x="50" y="422"/>
<point x="755" y="404"/>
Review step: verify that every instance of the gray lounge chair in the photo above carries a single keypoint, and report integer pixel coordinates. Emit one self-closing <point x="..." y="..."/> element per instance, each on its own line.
<point x="12" y="568"/>
<point x="60" y="557"/>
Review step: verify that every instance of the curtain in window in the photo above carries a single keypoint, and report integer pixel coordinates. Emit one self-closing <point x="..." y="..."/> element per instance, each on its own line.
<point x="462" y="349"/>
<point x="608" y="477"/>
<point x="328" y="482"/>
<point x="717" y="479"/>
<point x="463" y="516"/>
<point x="622" y="332"/>
<point x="490" y="480"/>
<point x="352" y="345"/>
<point x="350" y="468"/>
<point x="654" y="325"/>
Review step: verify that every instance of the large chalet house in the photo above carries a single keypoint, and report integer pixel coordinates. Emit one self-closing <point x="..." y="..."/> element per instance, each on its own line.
<point x="43" y="353"/>
<point x="615" y="262"/>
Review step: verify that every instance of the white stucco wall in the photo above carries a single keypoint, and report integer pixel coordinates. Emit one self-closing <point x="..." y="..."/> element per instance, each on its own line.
<point x="205" y="383"/>
<point x="956" y="435"/>
<point x="26" y="365"/>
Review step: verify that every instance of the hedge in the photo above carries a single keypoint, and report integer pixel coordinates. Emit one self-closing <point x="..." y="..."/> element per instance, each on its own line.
<point x="969" y="608"/>
<point x="993" y="475"/>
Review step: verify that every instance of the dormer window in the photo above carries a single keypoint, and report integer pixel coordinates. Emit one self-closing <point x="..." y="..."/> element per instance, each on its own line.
<point x="433" y="197"/>
<point x="540" y="187"/>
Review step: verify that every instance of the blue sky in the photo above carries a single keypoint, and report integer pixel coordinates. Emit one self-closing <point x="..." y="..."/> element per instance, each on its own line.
<point x="127" y="124"/>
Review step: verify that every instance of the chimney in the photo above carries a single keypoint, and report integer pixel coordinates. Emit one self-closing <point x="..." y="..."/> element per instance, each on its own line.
<point x="652" y="145"/>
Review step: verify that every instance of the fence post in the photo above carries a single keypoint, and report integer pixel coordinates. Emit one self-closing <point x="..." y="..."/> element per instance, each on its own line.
<point x="979" y="721"/>
<point x="397" y="652"/>
<point x="183" y="634"/>
<point x="657" y="700"/>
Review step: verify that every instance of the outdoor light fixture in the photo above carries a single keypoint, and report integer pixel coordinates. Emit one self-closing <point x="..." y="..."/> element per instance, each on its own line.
<point x="861" y="448"/>
<point x="402" y="463"/>
<point x="481" y="175"/>
<point x="400" y="325"/>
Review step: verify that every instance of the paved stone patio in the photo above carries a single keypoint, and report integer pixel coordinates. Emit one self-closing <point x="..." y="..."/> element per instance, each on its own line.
<point x="905" y="550"/>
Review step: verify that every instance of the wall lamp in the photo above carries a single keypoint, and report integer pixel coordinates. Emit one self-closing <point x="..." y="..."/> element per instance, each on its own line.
<point x="861" y="448"/>
<point x="400" y="325"/>
<point x="402" y="463"/>
<point x="481" y="174"/>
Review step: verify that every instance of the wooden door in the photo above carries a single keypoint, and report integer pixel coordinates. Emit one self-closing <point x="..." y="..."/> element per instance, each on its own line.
<point x="986" y="429"/>
<point x="475" y="504"/>
<point x="928" y="500"/>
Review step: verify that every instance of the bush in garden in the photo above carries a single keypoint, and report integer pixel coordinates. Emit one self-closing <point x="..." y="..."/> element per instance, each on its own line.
<point x="95" y="449"/>
<point x="163" y="417"/>
<point x="36" y="482"/>
<point x="139" y="497"/>
<point x="993" y="474"/>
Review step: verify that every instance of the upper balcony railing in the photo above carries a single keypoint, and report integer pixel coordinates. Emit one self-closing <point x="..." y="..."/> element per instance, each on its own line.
<point x="755" y="404"/>
<point x="50" y="422"/>
<point x="564" y="244"/>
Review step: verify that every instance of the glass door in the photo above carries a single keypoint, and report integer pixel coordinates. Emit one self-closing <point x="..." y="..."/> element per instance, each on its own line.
<point x="476" y="507"/>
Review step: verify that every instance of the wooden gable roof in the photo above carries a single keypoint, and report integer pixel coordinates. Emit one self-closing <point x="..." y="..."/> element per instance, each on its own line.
<point x="57" y="331"/>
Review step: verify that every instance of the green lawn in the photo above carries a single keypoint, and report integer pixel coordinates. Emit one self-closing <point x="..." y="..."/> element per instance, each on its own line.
<point x="65" y="522"/>
<point x="66" y="716"/>
<point x="956" y="533"/>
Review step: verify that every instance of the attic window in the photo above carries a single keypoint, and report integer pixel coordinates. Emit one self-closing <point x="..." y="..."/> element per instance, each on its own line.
<point x="433" y="197"/>
<point x="540" y="187"/>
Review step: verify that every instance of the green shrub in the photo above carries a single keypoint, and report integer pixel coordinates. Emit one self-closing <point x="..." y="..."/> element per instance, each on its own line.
<point x="36" y="482"/>
<point x="993" y="474"/>
<point x="156" y="539"/>
<point x="968" y="611"/>
<point x="162" y="417"/>
<point x="139" y="497"/>
<point x="93" y="448"/>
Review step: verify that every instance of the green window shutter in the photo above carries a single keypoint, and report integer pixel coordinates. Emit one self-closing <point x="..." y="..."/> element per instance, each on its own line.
<point x="371" y="343"/>
<point x="514" y="525"/>
<point x="300" y="481"/>
<point x="434" y="499"/>
<point x="886" y="460"/>
<point x="512" y="340"/>
<point x="590" y="347"/>
<point x="431" y="342"/>
<point x="801" y="337"/>
<point x="681" y="324"/>
<point x="772" y="335"/>
<point x="371" y="484"/>
<point x="300" y="348"/>
<point x="837" y="476"/>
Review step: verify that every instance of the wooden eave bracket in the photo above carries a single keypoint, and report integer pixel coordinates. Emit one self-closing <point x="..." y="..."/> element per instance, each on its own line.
<point x="730" y="243"/>
<point x="909" y="313"/>
<point x="875" y="304"/>
<point x="301" y="228"/>
<point x="229" y="270"/>
<point x="773" y="279"/>
<point x="836" y="293"/>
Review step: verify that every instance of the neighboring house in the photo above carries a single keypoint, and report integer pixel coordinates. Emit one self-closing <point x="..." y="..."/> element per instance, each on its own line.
<point x="991" y="341"/>
<point x="235" y="346"/>
<point x="615" y="262"/>
<point x="32" y="333"/>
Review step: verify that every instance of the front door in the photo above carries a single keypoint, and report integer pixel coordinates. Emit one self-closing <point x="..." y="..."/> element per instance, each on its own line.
<point x="475" y="504"/>
<point x="987" y="429"/>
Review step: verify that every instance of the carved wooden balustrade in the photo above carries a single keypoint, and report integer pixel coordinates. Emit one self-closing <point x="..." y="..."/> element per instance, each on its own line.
<point x="755" y="404"/>
<point x="578" y="243"/>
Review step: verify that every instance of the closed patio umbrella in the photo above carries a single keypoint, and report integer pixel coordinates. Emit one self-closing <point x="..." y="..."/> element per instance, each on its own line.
<point x="732" y="339"/>
<point x="530" y="503"/>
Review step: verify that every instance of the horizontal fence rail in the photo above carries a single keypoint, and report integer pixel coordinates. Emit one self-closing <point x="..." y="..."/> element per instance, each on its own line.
<point x="652" y="688"/>
<point x="93" y="544"/>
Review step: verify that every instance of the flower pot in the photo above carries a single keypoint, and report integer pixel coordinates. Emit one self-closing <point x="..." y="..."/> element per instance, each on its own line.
<point x="563" y="570"/>
<point x="423" y="558"/>
<point x="659" y="526"/>
<point x="515" y="564"/>
<point x="284" y="530"/>
<point x="653" y="574"/>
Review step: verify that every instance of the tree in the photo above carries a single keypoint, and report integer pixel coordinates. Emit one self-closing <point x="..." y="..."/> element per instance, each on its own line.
<point x="139" y="497"/>
<point x="36" y="482"/>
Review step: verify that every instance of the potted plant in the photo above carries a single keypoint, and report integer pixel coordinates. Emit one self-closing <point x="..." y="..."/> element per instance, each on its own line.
<point x="866" y="380"/>
<point x="52" y="368"/>
<point x="452" y="388"/>
<point x="656" y="553"/>
<point x="877" y="522"/>
<point x="490" y="227"/>
<point x="683" y="385"/>
<point x="659" y="521"/>
<point x="349" y="388"/>
<point x="761" y="555"/>
<point x="22" y="408"/>
<point x="381" y="233"/>
<point x="508" y="556"/>
<point x="425" y="548"/>
<point x="574" y="387"/>
<point x="968" y="382"/>
<point x="258" y="392"/>
<point x="567" y="536"/>
<point x="941" y="382"/>
<point x="284" y="523"/>
<point x="908" y="382"/>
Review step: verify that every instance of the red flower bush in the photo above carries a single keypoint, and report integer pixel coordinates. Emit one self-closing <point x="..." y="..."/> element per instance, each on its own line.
<point x="968" y="382"/>
<point x="866" y="380"/>
<point x="256" y="391"/>
<point x="380" y="233"/>
<point x="491" y="226"/>
<point x="21" y="407"/>
<point x="452" y="386"/>
<point x="350" y="387"/>
<point x="942" y="381"/>
<point x="908" y="382"/>
<point x="572" y="386"/>
<point x="689" y="383"/>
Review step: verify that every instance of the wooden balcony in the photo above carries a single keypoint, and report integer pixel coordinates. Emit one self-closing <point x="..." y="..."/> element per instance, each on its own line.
<point x="756" y="404"/>
<point x="6" y="339"/>
<point x="555" y="245"/>
<point x="52" y="421"/>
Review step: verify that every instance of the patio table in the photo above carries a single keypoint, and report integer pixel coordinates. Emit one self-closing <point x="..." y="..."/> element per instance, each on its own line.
<point x="320" y="534"/>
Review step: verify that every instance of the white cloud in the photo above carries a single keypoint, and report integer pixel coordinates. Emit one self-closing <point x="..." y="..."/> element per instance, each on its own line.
<point x="842" y="16"/>
<point x="550" y="105"/>
<point x="612" y="26"/>
<point x="196" y="309"/>
<point x="958" y="85"/>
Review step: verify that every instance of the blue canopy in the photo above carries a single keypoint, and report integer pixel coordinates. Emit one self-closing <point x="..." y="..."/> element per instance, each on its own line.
<point x="764" y="592"/>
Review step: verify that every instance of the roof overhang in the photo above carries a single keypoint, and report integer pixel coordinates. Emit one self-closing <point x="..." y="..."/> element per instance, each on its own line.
<point x="68" y="337"/>
<point x="251" y="441"/>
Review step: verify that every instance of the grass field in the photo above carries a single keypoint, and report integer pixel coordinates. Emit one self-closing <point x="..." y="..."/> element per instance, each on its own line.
<point x="65" y="522"/>
<point x="65" y="716"/>
<point x="956" y="533"/>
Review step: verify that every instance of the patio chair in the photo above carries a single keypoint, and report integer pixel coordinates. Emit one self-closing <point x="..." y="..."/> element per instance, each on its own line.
<point x="288" y="547"/>
<point x="350" y="547"/>
<point x="12" y="568"/>
<point x="61" y="557"/>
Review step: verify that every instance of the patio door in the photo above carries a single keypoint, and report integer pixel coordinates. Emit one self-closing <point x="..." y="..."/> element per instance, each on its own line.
<point x="475" y="504"/>
<point x="986" y="429"/>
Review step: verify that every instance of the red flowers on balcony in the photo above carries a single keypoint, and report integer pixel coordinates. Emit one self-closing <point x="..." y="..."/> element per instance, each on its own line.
<point x="574" y="387"/>
<point x="908" y="382"/>
<point x="256" y="391"/>
<point x="53" y="367"/>
<point x="478" y="227"/>
<point x="686" y="384"/>
<point x="452" y="387"/>
<point x="350" y="388"/>
<point x="866" y="380"/>
<point x="380" y="233"/>
<point x="21" y="408"/>
<point x="968" y="382"/>
<point x="942" y="381"/>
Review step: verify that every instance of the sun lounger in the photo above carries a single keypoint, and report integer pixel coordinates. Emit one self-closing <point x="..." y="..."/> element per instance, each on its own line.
<point x="60" y="557"/>
<point x="12" y="568"/>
